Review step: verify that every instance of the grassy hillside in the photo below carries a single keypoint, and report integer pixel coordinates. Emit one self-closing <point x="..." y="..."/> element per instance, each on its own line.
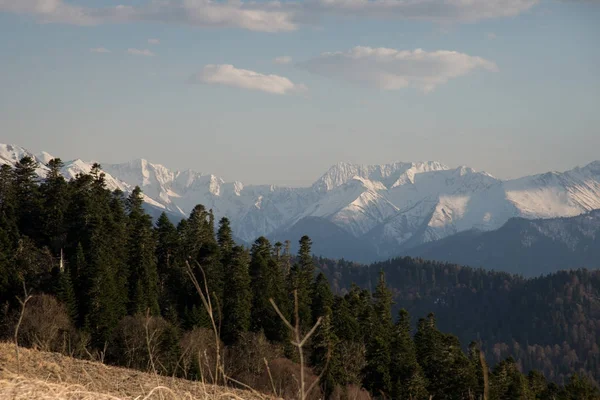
<point x="53" y="376"/>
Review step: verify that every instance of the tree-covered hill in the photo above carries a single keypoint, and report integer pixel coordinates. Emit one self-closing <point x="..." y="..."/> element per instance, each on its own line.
<point x="550" y="323"/>
<point x="110" y="284"/>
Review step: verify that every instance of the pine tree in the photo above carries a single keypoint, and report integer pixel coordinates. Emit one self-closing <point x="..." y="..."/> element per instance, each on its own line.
<point x="170" y="271"/>
<point x="301" y="279"/>
<point x="28" y="200"/>
<point x="106" y="260"/>
<point x="55" y="194"/>
<point x="238" y="302"/>
<point x="322" y="300"/>
<point x="225" y="240"/>
<point x="201" y="250"/>
<point x="448" y="370"/>
<point x="82" y="281"/>
<point x="66" y="293"/>
<point x="141" y="244"/>
<point x="377" y="372"/>
<point x="408" y="380"/>
<point x="267" y="283"/>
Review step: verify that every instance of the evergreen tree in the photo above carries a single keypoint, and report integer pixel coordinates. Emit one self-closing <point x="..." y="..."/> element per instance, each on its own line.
<point x="407" y="377"/>
<point x="66" y="293"/>
<point x="322" y="301"/>
<point x="28" y="200"/>
<point x="301" y="279"/>
<point x="267" y="283"/>
<point x="55" y="194"/>
<point x="377" y="372"/>
<point x="225" y="240"/>
<point x="448" y="370"/>
<point x="141" y="244"/>
<point x="580" y="388"/>
<point x="238" y="302"/>
<point x="201" y="250"/>
<point x="107" y="260"/>
<point x="82" y="281"/>
<point x="170" y="270"/>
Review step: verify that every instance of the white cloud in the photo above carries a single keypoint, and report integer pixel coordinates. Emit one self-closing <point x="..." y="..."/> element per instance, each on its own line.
<point x="99" y="50"/>
<point x="430" y="10"/>
<point x="138" y="52"/>
<point x="282" y="60"/>
<point x="491" y="35"/>
<point x="229" y="75"/>
<point x="391" y="69"/>
<point x="267" y="16"/>
<point x="153" y="41"/>
<point x="250" y="15"/>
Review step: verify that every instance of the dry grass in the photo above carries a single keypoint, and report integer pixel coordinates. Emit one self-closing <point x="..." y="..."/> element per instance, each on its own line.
<point x="53" y="376"/>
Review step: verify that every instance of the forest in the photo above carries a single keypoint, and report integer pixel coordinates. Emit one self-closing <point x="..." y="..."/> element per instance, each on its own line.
<point x="93" y="276"/>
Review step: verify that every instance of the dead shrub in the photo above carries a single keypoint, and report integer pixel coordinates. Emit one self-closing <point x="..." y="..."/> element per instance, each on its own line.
<point x="245" y="361"/>
<point x="199" y="355"/>
<point x="352" y="360"/>
<point x="144" y="343"/>
<point x="350" y="392"/>
<point x="45" y="325"/>
<point x="284" y="378"/>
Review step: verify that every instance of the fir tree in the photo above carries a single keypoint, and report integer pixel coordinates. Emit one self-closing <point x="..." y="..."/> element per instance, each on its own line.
<point x="66" y="293"/>
<point x="408" y="380"/>
<point x="143" y="274"/>
<point x="377" y="372"/>
<point x="238" y="302"/>
<point x="225" y="240"/>
<point x="27" y="196"/>
<point x="301" y="279"/>
<point x="170" y="271"/>
<point x="322" y="300"/>
<point x="55" y="194"/>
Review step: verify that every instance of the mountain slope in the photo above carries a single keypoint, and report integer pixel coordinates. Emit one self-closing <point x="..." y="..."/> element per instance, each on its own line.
<point x="527" y="247"/>
<point x="386" y="208"/>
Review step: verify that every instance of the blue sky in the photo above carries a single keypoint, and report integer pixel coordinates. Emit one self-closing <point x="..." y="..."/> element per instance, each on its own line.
<point x="511" y="87"/>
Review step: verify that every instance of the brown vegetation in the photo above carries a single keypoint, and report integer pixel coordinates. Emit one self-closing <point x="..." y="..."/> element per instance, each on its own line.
<point x="53" y="376"/>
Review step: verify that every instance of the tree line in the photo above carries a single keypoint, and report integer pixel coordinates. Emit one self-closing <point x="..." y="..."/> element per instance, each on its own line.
<point x="98" y="263"/>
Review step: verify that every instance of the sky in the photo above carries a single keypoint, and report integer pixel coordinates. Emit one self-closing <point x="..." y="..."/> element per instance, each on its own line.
<point x="278" y="91"/>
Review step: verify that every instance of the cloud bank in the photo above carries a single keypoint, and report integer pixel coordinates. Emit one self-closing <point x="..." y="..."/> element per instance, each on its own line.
<point x="228" y="75"/>
<point x="390" y="69"/>
<point x="269" y="16"/>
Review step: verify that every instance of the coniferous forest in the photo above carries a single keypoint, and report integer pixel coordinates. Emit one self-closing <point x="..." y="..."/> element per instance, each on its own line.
<point x="109" y="283"/>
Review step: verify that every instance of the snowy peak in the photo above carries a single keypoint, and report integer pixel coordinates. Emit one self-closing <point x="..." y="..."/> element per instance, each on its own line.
<point x="384" y="206"/>
<point x="387" y="174"/>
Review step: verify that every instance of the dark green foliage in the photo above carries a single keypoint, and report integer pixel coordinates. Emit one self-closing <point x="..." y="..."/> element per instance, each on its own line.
<point x="99" y="253"/>
<point x="141" y="260"/>
<point x="27" y="196"/>
<point x="408" y="381"/>
<point x="378" y="377"/>
<point x="56" y="197"/>
<point x="267" y="283"/>
<point x="300" y="281"/>
<point x="169" y="266"/>
<point x="66" y="293"/>
<point x="238" y="301"/>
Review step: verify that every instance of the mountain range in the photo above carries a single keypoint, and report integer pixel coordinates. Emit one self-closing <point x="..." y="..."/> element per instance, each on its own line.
<point x="366" y="212"/>
<point x="527" y="247"/>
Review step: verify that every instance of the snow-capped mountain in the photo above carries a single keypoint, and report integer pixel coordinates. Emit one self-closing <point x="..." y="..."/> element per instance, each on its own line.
<point x="388" y="206"/>
<point x="530" y="247"/>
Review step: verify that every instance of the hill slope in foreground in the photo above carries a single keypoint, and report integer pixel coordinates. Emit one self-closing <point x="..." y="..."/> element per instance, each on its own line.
<point x="53" y="376"/>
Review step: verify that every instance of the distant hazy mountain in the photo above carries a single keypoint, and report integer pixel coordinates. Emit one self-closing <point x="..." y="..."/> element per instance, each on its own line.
<point x="528" y="247"/>
<point x="367" y="212"/>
